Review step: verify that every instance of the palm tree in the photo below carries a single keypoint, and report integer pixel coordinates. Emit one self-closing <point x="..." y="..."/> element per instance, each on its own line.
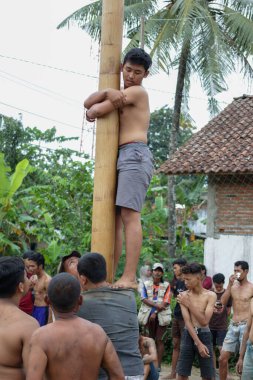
<point x="206" y="37"/>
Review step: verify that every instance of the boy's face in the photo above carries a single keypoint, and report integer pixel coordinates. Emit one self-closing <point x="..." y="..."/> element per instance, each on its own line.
<point x="133" y="74"/>
<point x="192" y="280"/>
<point x="218" y="287"/>
<point x="33" y="267"/>
<point x="177" y="270"/>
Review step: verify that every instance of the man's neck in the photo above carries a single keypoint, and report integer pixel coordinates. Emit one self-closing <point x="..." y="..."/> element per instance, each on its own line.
<point x="198" y="289"/>
<point x="91" y="285"/>
<point x="64" y="316"/>
<point x="41" y="273"/>
<point x="13" y="301"/>
<point x="244" y="281"/>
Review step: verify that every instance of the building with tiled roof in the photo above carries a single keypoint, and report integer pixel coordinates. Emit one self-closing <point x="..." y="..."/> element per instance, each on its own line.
<point x="223" y="150"/>
<point x="224" y="145"/>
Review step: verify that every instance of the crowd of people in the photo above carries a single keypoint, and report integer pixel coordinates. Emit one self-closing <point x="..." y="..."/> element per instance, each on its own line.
<point x="77" y="326"/>
<point x="202" y="323"/>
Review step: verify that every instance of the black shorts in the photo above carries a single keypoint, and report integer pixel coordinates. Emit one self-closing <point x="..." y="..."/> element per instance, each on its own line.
<point x="188" y="350"/>
<point x="218" y="337"/>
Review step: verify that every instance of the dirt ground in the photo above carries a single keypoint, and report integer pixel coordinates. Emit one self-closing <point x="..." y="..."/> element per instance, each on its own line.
<point x="195" y="374"/>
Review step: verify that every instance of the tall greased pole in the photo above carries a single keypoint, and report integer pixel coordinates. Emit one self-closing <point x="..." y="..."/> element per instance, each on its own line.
<point x="103" y="215"/>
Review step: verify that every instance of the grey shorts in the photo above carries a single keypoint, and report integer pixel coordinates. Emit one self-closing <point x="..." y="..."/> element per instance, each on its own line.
<point x="135" y="170"/>
<point x="233" y="339"/>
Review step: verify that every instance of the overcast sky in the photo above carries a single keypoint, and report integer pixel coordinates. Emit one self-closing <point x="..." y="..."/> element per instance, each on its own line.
<point x="31" y="47"/>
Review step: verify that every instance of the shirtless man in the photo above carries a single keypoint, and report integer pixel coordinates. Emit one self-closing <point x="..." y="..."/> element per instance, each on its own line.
<point x="40" y="281"/>
<point x="241" y="291"/>
<point x="135" y="163"/>
<point x="197" y="306"/>
<point x="16" y="327"/>
<point x="71" y="347"/>
<point x="149" y="356"/>
<point x="244" y="365"/>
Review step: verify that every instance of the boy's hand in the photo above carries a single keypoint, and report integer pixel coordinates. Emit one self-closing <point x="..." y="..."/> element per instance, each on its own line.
<point x="89" y="117"/>
<point x="203" y="350"/>
<point x="116" y="97"/>
<point x="239" y="366"/>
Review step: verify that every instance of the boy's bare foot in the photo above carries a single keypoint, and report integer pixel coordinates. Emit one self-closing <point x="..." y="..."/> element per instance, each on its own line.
<point x="125" y="283"/>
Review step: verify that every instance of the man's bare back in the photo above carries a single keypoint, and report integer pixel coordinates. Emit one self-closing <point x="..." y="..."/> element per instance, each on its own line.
<point x="16" y="328"/>
<point x="70" y="348"/>
<point x="73" y="349"/>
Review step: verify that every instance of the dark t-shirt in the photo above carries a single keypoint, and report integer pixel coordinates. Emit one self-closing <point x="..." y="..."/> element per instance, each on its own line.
<point x="116" y="312"/>
<point x="219" y="321"/>
<point x="178" y="287"/>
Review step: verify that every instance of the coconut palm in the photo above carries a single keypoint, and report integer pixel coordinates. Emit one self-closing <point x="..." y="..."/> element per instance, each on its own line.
<point x="206" y="37"/>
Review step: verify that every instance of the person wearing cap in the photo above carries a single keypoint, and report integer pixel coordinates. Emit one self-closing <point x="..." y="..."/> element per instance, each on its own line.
<point x="156" y="307"/>
<point x="69" y="263"/>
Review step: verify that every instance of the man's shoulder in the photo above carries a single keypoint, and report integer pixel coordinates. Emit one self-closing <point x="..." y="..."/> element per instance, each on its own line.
<point x="136" y="92"/>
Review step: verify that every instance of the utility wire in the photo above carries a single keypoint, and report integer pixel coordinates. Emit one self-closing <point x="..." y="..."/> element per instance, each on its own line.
<point x="44" y="91"/>
<point x="94" y="76"/>
<point x="41" y="116"/>
<point x="47" y="66"/>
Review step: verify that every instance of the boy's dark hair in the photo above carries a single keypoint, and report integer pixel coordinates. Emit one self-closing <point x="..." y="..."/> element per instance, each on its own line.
<point x="63" y="292"/>
<point x="192" y="268"/>
<point x="93" y="266"/>
<point x="11" y="274"/>
<point x="180" y="262"/>
<point x="138" y="56"/>
<point x="28" y="254"/>
<point x="203" y="267"/>
<point x="243" y="264"/>
<point x="38" y="258"/>
<point x="219" y="278"/>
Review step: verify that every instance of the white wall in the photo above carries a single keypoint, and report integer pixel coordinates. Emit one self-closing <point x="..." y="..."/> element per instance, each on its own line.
<point x="220" y="254"/>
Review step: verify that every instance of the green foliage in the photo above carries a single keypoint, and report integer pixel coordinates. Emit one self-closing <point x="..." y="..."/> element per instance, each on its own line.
<point x="160" y="130"/>
<point x="10" y="233"/>
<point x="53" y="206"/>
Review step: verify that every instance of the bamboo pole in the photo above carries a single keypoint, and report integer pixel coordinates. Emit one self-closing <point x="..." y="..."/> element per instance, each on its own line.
<point x="103" y="215"/>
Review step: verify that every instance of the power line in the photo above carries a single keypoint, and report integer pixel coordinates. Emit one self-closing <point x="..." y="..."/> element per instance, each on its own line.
<point x="47" y="66"/>
<point x="41" y="116"/>
<point x="44" y="89"/>
<point x="92" y="76"/>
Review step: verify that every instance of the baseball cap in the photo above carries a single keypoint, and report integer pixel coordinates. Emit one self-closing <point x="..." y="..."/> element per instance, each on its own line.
<point x="64" y="258"/>
<point x="158" y="265"/>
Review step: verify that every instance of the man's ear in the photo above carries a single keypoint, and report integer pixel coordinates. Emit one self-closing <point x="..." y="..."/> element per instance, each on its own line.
<point x="80" y="300"/>
<point x="83" y="280"/>
<point x="21" y="287"/>
<point x="121" y="67"/>
<point x="146" y="74"/>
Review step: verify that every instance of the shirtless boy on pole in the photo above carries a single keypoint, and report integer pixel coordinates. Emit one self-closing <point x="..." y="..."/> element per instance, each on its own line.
<point x="135" y="162"/>
<point x="16" y="327"/>
<point x="197" y="306"/>
<point x="71" y="347"/>
<point x="244" y="365"/>
<point x="40" y="281"/>
<point x="241" y="291"/>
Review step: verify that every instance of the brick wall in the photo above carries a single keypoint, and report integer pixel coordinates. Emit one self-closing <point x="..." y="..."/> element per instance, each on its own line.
<point x="234" y="205"/>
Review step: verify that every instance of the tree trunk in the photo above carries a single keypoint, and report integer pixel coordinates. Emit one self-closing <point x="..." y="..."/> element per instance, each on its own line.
<point x="173" y="144"/>
<point x="103" y="215"/>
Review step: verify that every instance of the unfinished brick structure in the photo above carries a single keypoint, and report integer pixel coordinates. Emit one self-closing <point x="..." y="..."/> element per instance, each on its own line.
<point x="223" y="150"/>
